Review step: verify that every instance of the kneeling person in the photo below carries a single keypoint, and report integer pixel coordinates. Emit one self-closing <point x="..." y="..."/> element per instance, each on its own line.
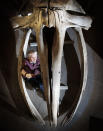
<point x="31" y="70"/>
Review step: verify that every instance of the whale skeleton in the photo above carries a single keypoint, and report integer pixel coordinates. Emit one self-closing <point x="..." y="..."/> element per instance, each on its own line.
<point x="53" y="14"/>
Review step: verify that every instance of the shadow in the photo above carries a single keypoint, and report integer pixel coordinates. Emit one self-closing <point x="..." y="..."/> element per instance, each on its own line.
<point x="8" y="64"/>
<point x="95" y="124"/>
<point x="73" y="78"/>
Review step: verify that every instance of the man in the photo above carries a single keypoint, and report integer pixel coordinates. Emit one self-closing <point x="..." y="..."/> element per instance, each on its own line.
<point x="31" y="70"/>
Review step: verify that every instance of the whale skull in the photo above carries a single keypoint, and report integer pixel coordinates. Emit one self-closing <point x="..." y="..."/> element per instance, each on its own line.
<point x="52" y="14"/>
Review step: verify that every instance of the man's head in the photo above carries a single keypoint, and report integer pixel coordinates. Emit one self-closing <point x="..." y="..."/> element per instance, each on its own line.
<point x="32" y="56"/>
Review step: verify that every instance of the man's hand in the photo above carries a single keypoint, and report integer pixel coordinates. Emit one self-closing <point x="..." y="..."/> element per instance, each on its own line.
<point x="28" y="75"/>
<point x="23" y="72"/>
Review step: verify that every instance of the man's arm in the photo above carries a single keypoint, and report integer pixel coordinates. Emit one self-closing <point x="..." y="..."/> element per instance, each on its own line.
<point x="25" y="74"/>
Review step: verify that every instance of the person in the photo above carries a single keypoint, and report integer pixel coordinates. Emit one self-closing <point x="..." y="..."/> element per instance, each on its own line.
<point x="31" y="70"/>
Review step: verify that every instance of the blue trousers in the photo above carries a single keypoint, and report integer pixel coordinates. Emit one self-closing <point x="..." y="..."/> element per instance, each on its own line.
<point x="36" y="81"/>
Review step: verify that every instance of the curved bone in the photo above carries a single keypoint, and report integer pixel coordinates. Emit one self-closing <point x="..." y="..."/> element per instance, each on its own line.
<point x="85" y="61"/>
<point x="84" y="71"/>
<point x="27" y="99"/>
<point x="26" y="42"/>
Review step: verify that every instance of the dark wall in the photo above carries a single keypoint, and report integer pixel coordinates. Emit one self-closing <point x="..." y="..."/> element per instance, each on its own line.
<point x="94" y="9"/>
